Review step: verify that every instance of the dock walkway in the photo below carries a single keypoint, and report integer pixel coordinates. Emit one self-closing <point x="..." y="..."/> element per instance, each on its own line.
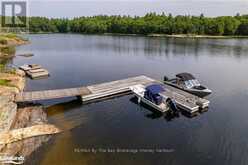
<point x="88" y="93"/>
<point x="95" y="92"/>
<point x="51" y="94"/>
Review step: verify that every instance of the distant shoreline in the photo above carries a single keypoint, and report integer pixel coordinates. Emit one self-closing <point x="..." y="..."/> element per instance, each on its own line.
<point x="178" y="36"/>
<point x="192" y="36"/>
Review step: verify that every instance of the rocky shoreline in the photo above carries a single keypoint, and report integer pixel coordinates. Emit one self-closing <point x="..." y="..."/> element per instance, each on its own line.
<point x="25" y="118"/>
<point x="8" y="42"/>
<point x="14" y="117"/>
<point x="23" y="128"/>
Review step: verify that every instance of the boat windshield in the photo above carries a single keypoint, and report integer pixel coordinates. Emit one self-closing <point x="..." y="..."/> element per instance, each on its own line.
<point x="188" y="84"/>
<point x="192" y="83"/>
<point x="196" y="82"/>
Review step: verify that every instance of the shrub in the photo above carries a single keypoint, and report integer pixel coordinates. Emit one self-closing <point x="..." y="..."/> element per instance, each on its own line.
<point x="3" y="41"/>
<point x="8" y="50"/>
<point x="5" y="82"/>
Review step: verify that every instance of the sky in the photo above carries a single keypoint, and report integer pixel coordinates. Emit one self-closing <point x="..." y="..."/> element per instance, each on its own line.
<point x="76" y="8"/>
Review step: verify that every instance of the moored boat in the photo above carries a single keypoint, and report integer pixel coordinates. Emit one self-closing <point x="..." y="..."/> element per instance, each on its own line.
<point x="188" y="83"/>
<point x="151" y="95"/>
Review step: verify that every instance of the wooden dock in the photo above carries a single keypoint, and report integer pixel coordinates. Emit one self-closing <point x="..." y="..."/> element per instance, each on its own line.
<point x="34" y="71"/>
<point x="115" y="87"/>
<point x="51" y="94"/>
<point x="92" y="93"/>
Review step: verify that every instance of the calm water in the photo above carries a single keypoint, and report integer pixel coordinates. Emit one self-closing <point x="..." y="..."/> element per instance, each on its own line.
<point x="218" y="136"/>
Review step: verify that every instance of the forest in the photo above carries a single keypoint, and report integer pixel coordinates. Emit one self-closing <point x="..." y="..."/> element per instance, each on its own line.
<point x="151" y="23"/>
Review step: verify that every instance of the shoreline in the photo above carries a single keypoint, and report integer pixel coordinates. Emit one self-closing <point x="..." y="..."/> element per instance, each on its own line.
<point x="20" y="124"/>
<point x="8" y="43"/>
<point x="189" y="36"/>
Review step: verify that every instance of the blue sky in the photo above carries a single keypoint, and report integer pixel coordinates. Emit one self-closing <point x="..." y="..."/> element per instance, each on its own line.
<point x="74" y="8"/>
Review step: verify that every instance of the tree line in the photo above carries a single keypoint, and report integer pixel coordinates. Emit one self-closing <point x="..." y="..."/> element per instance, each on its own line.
<point x="151" y="23"/>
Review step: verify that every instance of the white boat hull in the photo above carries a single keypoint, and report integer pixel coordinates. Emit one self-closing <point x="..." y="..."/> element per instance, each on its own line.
<point x="197" y="92"/>
<point x="139" y="90"/>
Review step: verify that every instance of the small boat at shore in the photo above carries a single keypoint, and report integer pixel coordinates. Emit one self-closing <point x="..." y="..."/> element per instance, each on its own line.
<point x="188" y="83"/>
<point x="151" y="95"/>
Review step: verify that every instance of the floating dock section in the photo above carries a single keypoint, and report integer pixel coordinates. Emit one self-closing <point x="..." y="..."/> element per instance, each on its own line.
<point x="34" y="71"/>
<point x="103" y="90"/>
<point x="184" y="100"/>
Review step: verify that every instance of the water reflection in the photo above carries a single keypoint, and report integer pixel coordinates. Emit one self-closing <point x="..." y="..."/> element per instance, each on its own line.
<point x="174" y="46"/>
<point x="150" y="46"/>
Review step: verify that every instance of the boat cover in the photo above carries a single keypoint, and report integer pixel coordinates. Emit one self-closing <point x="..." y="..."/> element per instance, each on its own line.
<point x="185" y="76"/>
<point x="155" y="89"/>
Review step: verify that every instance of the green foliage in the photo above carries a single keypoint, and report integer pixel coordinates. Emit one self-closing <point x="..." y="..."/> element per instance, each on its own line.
<point x="10" y="35"/>
<point x="2" y="66"/>
<point x="148" y="24"/>
<point x="3" y="41"/>
<point x="243" y="27"/>
<point x="5" y="37"/>
<point x="230" y="25"/>
<point x="4" y="82"/>
<point x="214" y="27"/>
<point x="10" y="71"/>
<point x="10" y="50"/>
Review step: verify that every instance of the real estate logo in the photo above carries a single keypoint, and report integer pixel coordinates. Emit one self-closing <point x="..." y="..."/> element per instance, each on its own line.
<point x="5" y="159"/>
<point x="14" y="14"/>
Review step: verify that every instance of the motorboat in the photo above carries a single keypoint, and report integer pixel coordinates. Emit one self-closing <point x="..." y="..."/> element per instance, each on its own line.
<point x="188" y="83"/>
<point x="152" y="96"/>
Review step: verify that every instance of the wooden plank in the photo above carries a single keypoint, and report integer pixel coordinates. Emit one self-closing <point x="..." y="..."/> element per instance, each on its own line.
<point x="104" y="94"/>
<point x="37" y="70"/>
<point x="120" y="84"/>
<point x="115" y="87"/>
<point x="38" y="74"/>
<point x="181" y="101"/>
<point x="25" y="67"/>
<point x="51" y="94"/>
<point x="123" y="81"/>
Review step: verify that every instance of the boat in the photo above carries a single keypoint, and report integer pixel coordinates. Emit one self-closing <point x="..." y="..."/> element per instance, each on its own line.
<point x="187" y="82"/>
<point x="151" y="95"/>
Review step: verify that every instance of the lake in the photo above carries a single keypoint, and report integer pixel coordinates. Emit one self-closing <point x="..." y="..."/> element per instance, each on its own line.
<point x="118" y="131"/>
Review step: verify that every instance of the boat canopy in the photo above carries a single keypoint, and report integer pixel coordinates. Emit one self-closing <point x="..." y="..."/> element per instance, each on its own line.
<point x="155" y="89"/>
<point x="185" y="76"/>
